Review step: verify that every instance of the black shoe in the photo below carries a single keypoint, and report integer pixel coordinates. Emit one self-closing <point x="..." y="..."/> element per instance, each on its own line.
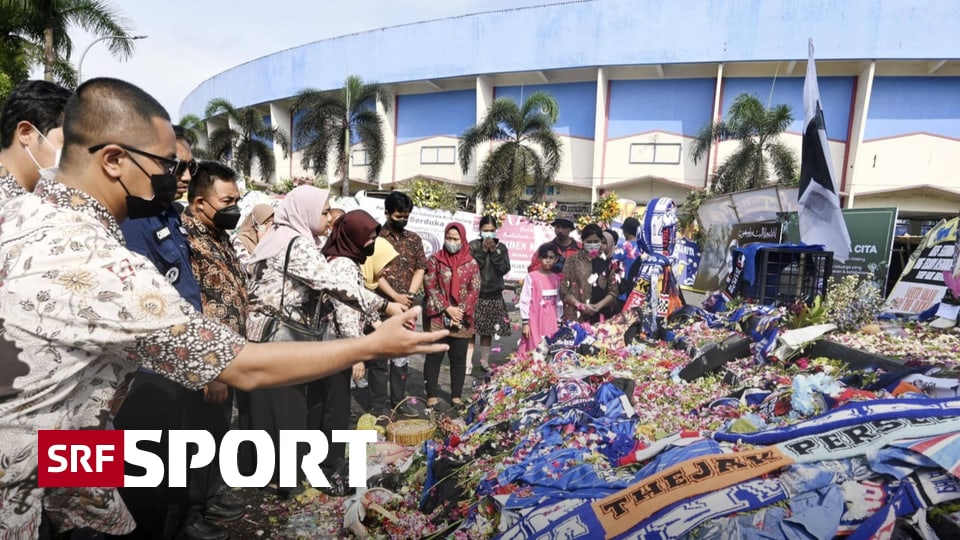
<point x="202" y="529"/>
<point x="224" y="511"/>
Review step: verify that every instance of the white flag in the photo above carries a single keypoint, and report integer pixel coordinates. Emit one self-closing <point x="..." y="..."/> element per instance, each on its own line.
<point x="821" y="220"/>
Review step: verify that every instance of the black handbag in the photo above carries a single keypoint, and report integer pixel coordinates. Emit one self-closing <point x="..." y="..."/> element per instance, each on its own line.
<point x="303" y="327"/>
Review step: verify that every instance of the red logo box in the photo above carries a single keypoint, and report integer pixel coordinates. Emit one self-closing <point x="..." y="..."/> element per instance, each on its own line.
<point x="80" y="458"/>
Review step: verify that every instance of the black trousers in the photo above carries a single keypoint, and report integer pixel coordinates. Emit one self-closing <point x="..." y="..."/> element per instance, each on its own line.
<point x="155" y="402"/>
<point x="378" y="373"/>
<point x="274" y="410"/>
<point x="328" y="402"/>
<point x="458" y="368"/>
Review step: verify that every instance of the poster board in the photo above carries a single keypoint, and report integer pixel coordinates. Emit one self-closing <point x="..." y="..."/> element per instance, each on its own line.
<point x="921" y="284"/>
<point x="871" y="241"/>
<point x="716" y="261"/>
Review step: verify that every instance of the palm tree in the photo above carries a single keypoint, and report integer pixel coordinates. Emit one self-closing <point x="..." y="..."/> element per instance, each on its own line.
<point x="45" y="23"/>
<point x="330" y="119"/>
<point x="758" y="129"/>
<point x="192" y="126"/>
<point x="246" y="141"/>
<point x="514" y="164"/>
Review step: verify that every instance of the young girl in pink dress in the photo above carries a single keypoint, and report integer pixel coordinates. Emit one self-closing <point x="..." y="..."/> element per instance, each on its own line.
<point x="540" y="305"/>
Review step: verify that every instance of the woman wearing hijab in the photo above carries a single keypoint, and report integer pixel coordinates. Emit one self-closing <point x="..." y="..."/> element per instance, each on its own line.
<point x="254" y="227"/>
<point x="350" y="242"/>
<point x="383" y="254"/>
<point x="451" y="289"/>
<point x="299" y="219"/>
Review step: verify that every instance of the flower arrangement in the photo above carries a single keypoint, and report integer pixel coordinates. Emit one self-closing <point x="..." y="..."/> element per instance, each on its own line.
<point x="606" y="210"/>
<point x="495" y="209"/>
<point x="285" y="185"/>
<point x="584" y="220"/>
<point x="429" y="193"/>
<point x="542" y="213"/>
<point x="854" y="301"/>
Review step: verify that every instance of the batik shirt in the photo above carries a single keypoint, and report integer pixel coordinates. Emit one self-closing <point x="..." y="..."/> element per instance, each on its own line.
<point x="9" y="187"/>
<point x="436" y="303"/>
<point x="579" y="280"/>
<point x="222" y="280"/>
<point x="308" y="274"/>
<point x="79" y="313"/>
<point x="349" y="321"/>
<point x="410" y="258"/>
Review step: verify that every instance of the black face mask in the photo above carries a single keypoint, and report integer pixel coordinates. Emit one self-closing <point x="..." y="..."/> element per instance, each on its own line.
<point x="164" y="192"/>
<point x="397" y="224"/>
<point x="227" y="217"/>
<point x="368" y="250"/>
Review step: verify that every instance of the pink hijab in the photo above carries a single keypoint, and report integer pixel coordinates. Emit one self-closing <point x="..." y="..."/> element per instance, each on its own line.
<point x="298" y="214"/>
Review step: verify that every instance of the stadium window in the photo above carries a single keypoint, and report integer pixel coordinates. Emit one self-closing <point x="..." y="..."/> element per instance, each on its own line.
<point x="552" y="191"/>
<point x="655" y="153"/>
<point x="438" y="155"/>
<point x="359" y="157"/>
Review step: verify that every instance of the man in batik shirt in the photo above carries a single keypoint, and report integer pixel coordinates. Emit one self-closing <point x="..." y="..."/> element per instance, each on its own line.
<point x="79" y="311"/>
<point x="405" y="276"/>
<point x="30" y="135"/>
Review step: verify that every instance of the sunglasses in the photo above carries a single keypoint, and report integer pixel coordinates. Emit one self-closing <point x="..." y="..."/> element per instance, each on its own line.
<point x="172" y="166"/>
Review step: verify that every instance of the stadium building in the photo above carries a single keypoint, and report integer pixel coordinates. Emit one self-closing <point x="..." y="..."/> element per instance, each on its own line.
<point x="636" y="80"/>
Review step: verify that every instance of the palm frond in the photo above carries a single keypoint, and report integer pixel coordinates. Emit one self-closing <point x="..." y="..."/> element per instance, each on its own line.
<point x="551" y="150"/>
<point x="543" y="103"/>
<point x="218" y="107"/>
<point x="784" y="162"/>
<point x="221" y="141"/>
<point x="369" y="129"/>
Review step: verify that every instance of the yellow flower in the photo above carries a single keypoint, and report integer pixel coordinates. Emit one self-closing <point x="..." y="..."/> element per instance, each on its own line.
<point x="77" y="280"/>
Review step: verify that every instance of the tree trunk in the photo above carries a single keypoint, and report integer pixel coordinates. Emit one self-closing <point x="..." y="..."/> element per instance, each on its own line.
<point x="48" y="56"/>
<point x="345" y="166"/>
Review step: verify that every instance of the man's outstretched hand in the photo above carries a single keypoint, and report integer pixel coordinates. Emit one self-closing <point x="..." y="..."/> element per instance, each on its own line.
<point x="394" y="339"/>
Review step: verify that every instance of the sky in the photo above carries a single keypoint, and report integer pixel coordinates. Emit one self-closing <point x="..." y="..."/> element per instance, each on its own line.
<point x="190" y="41"/>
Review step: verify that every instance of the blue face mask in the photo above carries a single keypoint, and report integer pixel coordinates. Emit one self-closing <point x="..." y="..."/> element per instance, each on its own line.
<point x="488" y="235"/>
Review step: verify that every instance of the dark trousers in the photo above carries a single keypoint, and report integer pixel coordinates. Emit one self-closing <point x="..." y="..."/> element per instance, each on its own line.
<point x="378" y="373"/>
<point x="328" y="402"/>
<point x="458" y="367"/>
<point x="155" y="402"/>
<point x="274" y="410"/>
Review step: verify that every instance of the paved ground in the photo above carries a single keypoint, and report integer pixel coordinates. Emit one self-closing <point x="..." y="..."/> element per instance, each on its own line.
<point x="500" y="350"/>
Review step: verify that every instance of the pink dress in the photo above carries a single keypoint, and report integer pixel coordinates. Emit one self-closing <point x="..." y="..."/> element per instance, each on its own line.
<point x="540" y="304"/>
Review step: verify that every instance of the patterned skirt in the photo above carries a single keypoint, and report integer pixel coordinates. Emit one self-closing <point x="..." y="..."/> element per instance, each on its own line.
<point x="492" y="318"/>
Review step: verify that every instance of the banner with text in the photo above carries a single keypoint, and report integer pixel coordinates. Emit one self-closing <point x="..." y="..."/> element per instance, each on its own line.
<point x="871" y="241"/>
<point x="921" y="284"/>
<point x="521" y="236"/>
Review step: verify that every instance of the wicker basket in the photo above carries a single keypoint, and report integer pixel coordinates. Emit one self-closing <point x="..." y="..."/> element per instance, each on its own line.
<point x="410" y="432"/>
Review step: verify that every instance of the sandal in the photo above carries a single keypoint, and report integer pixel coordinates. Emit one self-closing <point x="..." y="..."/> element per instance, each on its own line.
<point x="456" y="402"/>
<point x="485" y="365"/>
<point x="432" y="402"/>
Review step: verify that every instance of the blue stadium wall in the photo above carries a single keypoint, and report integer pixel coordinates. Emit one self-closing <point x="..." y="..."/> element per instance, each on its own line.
<point x="636" y="80"/>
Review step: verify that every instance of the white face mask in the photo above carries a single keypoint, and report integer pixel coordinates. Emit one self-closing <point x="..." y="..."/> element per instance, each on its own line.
<point x="45" y="171"/>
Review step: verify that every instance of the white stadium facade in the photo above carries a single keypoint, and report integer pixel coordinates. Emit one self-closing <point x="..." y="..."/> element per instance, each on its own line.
<point x="636" y="80"/>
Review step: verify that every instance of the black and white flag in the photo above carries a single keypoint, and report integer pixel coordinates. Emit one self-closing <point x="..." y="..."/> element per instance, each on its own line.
<point x="821" y="220"/>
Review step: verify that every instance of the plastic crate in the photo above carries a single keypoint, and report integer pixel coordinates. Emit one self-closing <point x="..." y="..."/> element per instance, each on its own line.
<point x="789" y="275"/>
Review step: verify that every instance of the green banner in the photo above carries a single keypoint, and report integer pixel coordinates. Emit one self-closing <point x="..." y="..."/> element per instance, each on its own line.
<point x="871" y="241"/>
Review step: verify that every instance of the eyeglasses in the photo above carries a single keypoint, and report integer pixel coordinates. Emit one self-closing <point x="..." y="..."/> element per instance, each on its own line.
<point x="192" y="166"/>
<point x="172" y="166"/>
